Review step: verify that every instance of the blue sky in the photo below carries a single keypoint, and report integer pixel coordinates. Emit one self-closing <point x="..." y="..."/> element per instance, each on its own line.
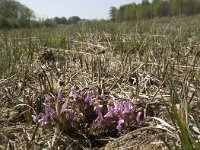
<point x="85" y="9"/>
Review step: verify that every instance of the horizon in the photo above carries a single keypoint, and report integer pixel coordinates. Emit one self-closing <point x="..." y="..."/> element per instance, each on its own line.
<point x="98" y="9"/>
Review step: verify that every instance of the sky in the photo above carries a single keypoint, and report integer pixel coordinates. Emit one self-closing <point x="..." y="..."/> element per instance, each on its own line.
<point x="85" y="9"/>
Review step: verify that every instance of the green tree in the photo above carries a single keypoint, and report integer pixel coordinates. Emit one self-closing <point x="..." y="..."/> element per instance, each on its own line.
<point x="192" y="7"/>
<point x="130" y="11"/>
<point x="49" y="23"/>
<point x="25" y="17"/>
<point x="61" y="20"/>
<point x="155" y="4"/>
<point x="14" y="13"/>
<point x="113" y="13"/>
<point x="144" y="10"/>
<point x="177" y="7"/>
<point x="157" y="8"/>
<point x="73" y="20"/>
<point x="121" y="13"/>
<point x="163" y="9"/>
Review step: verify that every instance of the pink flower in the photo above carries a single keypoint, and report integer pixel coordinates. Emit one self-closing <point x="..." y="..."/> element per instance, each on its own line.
<point x="67" y="111"/>
<point x="88" y="97"/>
<point x="118" y="107"/>
<point x="60" y="96"/>
<point x="49" y="111"/>
<point x="99" y="118"/>
<point x="120" y="124"/>
<point x="65" y="106"/>
<point x="110" y="112"/>
<point x="127" y="107"/>
<point x="43" y="120"/>
<point x="73" y="93"/>
<point x="47" y="99"/>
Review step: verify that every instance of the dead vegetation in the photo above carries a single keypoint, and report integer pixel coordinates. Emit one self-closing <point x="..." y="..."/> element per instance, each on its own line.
<point x="160" y="75"/>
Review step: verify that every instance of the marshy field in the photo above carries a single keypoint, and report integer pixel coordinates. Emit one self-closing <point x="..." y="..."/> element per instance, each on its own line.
<point x="101" y="85"/>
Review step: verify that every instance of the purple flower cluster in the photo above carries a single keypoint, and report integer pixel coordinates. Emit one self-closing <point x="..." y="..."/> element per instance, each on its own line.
<point x="123" y="112"/>
<point x="49" y="112"/>
<point x="88" y="109"/>
<point x="50" y="115"/>
<point x="87" y="96"/>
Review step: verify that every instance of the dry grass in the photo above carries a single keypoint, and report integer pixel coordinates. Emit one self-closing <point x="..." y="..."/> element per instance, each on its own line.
<point x="141" y="67"/>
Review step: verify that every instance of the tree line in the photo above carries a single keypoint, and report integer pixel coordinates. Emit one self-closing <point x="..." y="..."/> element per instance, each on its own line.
<point x="156" y="8"/>
<point x="51" y="22"/>
<point x="13" y="14"/>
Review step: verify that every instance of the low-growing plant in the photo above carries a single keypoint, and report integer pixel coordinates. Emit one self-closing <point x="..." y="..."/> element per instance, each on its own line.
<point x="88" y="112"/>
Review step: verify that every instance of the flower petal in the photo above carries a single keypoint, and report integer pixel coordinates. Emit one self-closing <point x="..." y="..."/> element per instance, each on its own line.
<point x="127" y="107"/>
<point x="73" y="93"/>
<point x="99" y="118"/>
<point x="64" y="107"/>
<point x="60" y="96"/>
<point x="43" y="120"/>
<point x="120" y="124"/>
<point x="110" y="112"/>
<point x="88" y="97"/>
